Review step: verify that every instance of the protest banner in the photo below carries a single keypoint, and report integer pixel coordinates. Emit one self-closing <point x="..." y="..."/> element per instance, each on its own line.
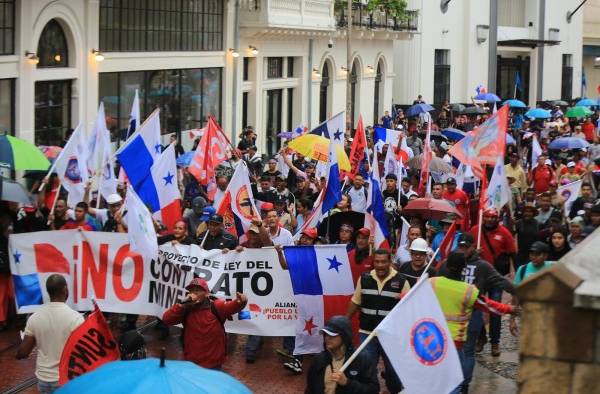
<point x="99" y="266"/>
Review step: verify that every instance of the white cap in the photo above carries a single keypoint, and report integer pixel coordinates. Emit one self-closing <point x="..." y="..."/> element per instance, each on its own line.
<point x="571" y="164"/>
<point x="113" y="199"/>
<point x="419" y="245"/>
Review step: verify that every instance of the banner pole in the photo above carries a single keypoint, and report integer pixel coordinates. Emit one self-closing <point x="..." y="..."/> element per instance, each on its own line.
<point x="429" y="264"/>
<point x="55" y="200"/>
<point x="479" y="228"/>
<point x="368" y="339"/>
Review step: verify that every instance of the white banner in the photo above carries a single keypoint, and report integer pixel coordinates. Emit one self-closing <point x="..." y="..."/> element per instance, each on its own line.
<point x="100" y="266"/>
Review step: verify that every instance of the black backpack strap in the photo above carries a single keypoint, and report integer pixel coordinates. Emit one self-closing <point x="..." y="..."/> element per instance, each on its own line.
<point x="215" y="312"/>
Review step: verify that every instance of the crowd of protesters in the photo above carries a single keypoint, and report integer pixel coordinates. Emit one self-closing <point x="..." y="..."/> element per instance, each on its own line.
<point x="529" y="233"/>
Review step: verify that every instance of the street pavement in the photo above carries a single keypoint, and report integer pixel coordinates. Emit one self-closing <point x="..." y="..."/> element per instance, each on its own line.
<point x="266" y="375"/>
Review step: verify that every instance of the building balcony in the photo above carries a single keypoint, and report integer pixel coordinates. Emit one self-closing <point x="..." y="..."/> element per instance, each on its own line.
<point x="311" y="15"/>
<point x="377" y="19"/>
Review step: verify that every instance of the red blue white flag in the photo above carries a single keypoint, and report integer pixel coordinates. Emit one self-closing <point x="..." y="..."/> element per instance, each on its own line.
<point x="164" y="177"/>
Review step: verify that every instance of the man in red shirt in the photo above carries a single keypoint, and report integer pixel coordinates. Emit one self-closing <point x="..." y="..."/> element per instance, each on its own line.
<point x="360" y="257"/>
<point x="459" y="199"/>
<point x="203" y="322"/>
<point x="588" y="129"/>
<point x="498" y="247"/>
<point x="541" y="175"/>
<point x="80" y="221"/>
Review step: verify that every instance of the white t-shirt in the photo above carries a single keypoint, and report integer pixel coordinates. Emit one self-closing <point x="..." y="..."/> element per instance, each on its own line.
<point x="359" y="199"/>
<point x="283" y="238"/>
<point x="51" y="325"/>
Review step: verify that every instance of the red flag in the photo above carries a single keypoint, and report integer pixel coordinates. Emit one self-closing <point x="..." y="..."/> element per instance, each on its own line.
<point x="425" y="160"/>
<point x="89" y="346"/>
<point x="483" y="194"/>
<point x="446" y="245"/>
<point x="484" y="144"/>
<point x="357" y="151"/>
<point x="210" y="152"/>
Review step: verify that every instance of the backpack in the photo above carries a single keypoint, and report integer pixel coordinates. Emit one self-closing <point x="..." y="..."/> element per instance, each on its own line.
<point x="214" y="311"/>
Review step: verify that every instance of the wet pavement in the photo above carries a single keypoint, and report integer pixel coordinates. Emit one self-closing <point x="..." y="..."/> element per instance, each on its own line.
<point x="266" y="375"/>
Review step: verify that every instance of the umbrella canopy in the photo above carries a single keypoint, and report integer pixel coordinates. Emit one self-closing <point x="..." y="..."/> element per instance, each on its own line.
<point x="568" y="143"/>
<point x="436" y="164"/>
<point x="430" y="208"/>
<point x="454" y="134"/>
<point x="330" y="226"/>
<point x="19" y="154"/>
<point x="538" y="113"/>
<point x="13" y="191"/>
<point x="185" y="159"/>
<point x="51" y="152"/>
<point x="578" y="112"/>
<point x="148" y="376"/>
<point x="560" y="103"/>
<point x="317" y="147"/>
<point x="586" y="102"/>
<point x="475" y="110"/>
<point x="514" y="103"/>
<point x="457" y="107"/>
<point x="417" y="109"/>
<point x="489" y="97"/>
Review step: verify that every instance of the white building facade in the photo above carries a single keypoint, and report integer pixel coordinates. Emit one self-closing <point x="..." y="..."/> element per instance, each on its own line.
<point x="469" y="43"/>
<point x="59" y="59"/>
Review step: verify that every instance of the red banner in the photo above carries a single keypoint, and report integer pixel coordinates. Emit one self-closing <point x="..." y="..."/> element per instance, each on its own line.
<point x="357" y="151"/>
<point x="90" y="345"/>
<point x="210" y="152"/>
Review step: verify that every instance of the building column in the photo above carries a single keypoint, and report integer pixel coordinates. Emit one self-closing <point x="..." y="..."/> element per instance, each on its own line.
<point x="493" y="46"/>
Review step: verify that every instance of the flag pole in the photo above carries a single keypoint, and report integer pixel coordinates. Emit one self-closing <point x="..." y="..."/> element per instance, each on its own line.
<point x="359" y="349"/>
<point x="479" y="228"/>
<point x="55" y="199"/>
<point x="430" y="261"/>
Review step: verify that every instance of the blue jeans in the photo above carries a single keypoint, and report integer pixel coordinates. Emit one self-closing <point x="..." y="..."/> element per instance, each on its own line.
<point x="374" y="351"/>
<point x="468" y="350"/>
<point x="461" y="356"/>
<point x="495" y="320"/>
<point x="47" y="387"/>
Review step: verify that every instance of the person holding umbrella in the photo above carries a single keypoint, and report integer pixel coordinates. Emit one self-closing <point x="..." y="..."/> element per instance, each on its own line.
<point x="203" y="320"/>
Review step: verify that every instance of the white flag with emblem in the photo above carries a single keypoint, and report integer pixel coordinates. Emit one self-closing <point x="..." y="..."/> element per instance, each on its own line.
<point x="140" y="228"/>
<point x="416" y="339"/>
<point x="498" y="191"/>
<point x="569" y="192"/>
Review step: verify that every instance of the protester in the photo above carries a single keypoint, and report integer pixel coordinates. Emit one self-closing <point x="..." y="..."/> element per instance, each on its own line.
<point x="324" y="375"/>
<point x="80" y="221"/>
<point x="360" y="258"/>
<point x="216" y="237"/>
<point x="198" y="214"/>
<point x="203" y="322"/>
<point x="47" y="330"/>
<point x="415" y="268"/>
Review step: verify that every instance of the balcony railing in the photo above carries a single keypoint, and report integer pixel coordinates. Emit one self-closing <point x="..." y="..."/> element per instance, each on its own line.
<point x="377" y="19"/>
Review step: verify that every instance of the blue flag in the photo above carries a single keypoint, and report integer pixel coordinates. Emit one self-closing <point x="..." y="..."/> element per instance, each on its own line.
<point x="518" y="84"/>
<point x="333" y="192"/>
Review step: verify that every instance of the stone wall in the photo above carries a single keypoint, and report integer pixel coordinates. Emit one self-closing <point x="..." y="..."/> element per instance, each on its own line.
<point x="559" y="344"/>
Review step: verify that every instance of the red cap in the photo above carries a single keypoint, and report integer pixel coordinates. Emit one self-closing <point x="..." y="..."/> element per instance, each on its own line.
<point x="198" y="282"/>
<point x="267" y="206"/>
<point x="365" y="232"/>
<point x="311" y="233"/>
<point x="493" y="212"/>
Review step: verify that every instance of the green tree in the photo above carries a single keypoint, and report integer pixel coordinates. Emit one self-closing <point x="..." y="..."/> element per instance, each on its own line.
<point x="394" y="8"/>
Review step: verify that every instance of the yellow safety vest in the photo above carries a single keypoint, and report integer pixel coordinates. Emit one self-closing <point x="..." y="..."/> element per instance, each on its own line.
<point x="456" y="299"/>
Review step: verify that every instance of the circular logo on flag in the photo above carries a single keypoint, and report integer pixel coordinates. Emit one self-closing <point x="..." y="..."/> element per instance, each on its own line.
<point x="243" y="203"/>
<point x="72" y="172"/>
<point x="566" y="194"/>
<point x="428" y="341"/>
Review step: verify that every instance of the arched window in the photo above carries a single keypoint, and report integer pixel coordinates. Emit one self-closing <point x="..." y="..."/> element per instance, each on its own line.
<point x="52" y="46"/>
<point x="354" y="93"/>
<point x="324" y="92"/>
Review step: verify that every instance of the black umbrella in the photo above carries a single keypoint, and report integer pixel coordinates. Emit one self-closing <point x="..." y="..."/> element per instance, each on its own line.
<point x="560" y="103"/>
<point x="457" y="107"/>
<point x="330" y="226"/>
<point x="475" y="110"/>
<point x="13" y="191"/>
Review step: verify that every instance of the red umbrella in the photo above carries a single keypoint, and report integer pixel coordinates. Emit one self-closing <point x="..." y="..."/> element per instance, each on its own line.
<point x="430" y="208"/>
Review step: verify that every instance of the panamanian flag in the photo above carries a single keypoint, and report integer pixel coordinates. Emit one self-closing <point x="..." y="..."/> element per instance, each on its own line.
<point x="322" y="285"/>
<point x="33" y="260"/>
<point x="333" y="129"/>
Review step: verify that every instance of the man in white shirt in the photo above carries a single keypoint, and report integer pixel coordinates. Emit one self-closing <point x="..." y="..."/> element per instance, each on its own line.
<point x="278" y="234"/>
<point x="48" y="329"/>
<point x="358" y="194"/>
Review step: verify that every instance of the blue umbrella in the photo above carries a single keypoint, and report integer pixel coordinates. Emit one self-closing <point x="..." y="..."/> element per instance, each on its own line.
<point x="490" y="97"/>
<point x="514" y="103"/>
<point x="538" y="113"/>
<point x="149" y="376"/>
<point x="185" y="159"/>
<point x="417" y="109"/>
<point x="453" y="134"/>
<point x="568" y="143"/>
<point x="586" y="102"/>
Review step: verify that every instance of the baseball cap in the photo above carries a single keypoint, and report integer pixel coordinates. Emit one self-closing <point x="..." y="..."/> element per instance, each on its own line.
<point x="199" y="282"/>
<point x="336" y="326"/>
<point x="451" y="181"/>
<point x="216" y="218"/>
<point x="113" y="199"/>
<point x="311" y="233"/>
<point x="207" y="212"/>
<point x="539" y="247"/>
<point x="571" y="164"/>
<point x="254" y="229"/>
<point x="466" y="239"/>
<point x="267" y="206"/>
<point x="365" y="232"/>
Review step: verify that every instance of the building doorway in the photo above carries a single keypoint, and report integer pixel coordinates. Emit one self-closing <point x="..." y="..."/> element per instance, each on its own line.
<point x="274" y="107"/>
<point x="507" y="70"/>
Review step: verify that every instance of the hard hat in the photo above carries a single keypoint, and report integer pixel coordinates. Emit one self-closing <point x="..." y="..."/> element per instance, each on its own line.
<point x="419" y="245"/>
<point x="113" y="199"/>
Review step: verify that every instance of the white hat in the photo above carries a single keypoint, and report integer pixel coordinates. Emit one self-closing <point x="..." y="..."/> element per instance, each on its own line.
<point x="571" y="164"/>
<point x="419" y="245"/>
<point x="113" y="199"/>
